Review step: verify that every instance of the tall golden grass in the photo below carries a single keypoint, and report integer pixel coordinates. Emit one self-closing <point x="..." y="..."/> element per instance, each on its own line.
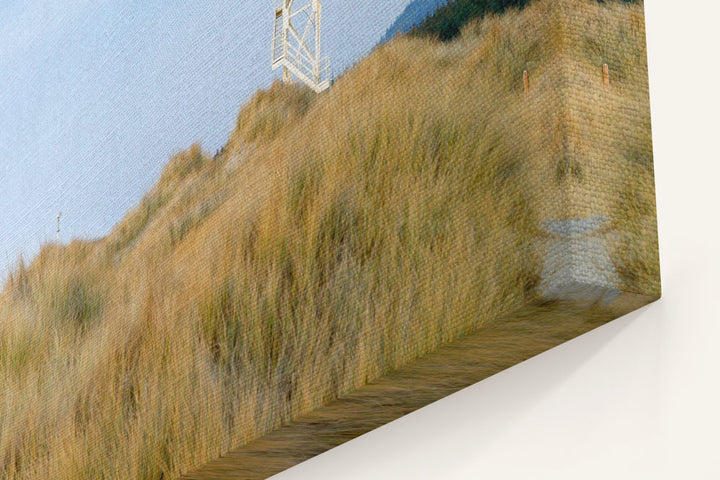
<point x="336" y="237"/>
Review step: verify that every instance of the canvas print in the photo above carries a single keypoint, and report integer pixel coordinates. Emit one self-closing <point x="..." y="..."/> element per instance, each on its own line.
<point x="236" y="234"/>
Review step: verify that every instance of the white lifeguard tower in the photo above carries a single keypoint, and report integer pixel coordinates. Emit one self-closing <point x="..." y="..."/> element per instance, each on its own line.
<point x="296" y="43"/>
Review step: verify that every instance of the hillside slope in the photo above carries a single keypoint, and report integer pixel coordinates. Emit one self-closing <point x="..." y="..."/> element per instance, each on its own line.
<point x="411" y="16"/>
<point x="335" y="238"/>
<point x="448" y="20"/>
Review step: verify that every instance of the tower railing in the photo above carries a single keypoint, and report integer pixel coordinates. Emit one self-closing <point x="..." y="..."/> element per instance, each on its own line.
<point x="292" y="51"/>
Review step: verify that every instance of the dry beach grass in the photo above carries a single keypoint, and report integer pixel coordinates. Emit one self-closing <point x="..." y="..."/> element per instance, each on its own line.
<point x="336" y="238"/>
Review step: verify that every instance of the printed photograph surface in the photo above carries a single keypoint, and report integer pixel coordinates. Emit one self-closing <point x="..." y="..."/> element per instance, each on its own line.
<point x="236" y="234"/>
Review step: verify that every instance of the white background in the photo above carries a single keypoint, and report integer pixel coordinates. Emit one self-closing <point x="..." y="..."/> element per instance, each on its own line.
<point x="638" y="398"/>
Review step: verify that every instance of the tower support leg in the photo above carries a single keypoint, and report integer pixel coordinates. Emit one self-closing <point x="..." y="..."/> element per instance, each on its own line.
<point x="287" y="76"/>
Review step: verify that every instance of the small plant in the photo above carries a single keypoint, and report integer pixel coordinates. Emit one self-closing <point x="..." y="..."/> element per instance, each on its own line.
<point x="220" y="324"/>
<point x="272" y="110"/>
<point x="182" y="164"/>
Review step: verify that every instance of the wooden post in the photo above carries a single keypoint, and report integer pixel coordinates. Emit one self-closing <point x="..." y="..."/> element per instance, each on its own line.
<point x="606" y="74"/>
<point x="526" y="81"/>
<point x="57" y="247"/>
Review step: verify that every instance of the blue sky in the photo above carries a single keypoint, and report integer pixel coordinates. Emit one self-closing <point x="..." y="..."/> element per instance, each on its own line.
<point x="96" y="95"/>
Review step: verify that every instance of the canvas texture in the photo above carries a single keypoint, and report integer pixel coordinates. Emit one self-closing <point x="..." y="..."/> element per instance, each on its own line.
<point x="469" y="194"/>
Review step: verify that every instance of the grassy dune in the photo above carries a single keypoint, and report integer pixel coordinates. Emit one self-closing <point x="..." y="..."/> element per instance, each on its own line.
<point x="336" y="237"/>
